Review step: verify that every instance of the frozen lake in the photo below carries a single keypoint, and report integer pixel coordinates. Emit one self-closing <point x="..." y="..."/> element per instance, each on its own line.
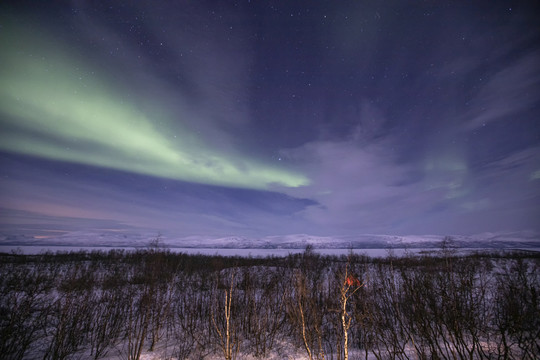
<point x="32" y="250"/>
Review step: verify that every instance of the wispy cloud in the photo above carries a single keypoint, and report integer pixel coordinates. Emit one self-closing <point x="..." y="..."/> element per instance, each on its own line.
<point x="507" y="93"/>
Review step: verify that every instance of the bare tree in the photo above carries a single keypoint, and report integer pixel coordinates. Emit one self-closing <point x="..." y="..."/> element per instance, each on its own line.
<point x="517" y="306"/>
<point x="222" y="322"/>
<point x="68" y="325"/>
<point x="108" y="319"/>
<point x="22" y="317"/>
<point x="138" y="321"/>
<point x="305" y="313"/>
<point x="349" y="286"/>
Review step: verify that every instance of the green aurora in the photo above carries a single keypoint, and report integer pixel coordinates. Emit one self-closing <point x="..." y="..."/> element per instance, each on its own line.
<point x="54" y="106"/>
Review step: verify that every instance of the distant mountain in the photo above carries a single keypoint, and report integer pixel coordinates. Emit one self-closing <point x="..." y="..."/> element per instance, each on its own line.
<point x="299" y="241"/>
<point x="109" y="238"/>
<point x="80" y="238"/>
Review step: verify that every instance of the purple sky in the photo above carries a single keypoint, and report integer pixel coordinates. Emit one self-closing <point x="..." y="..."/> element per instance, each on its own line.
<point x="263" y="118"/>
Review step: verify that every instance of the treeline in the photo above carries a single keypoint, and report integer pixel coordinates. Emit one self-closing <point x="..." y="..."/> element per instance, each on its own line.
<point x="123" y="303"/>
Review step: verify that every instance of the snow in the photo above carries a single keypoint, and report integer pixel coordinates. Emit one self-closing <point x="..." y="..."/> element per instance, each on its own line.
<point x="280" y="244"/>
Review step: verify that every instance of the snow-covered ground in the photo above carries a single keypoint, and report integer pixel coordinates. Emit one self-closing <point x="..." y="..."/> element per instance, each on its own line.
<point x="73" y="299"/>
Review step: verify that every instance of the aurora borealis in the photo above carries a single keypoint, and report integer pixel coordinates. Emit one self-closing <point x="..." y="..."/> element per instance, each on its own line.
<point x="264" y="118"/>
<point x="80" y="118"/>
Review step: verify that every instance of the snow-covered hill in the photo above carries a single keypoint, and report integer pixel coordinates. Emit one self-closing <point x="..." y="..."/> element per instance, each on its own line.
<point x="108" y="238"/>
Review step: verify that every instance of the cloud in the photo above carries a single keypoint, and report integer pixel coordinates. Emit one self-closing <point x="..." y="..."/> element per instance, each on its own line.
<point x="507" y="93"/>
<point x="366" y="187"/>
<point x="353" y="185"/>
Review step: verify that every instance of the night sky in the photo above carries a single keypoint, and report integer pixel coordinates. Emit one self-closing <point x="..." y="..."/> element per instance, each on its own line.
<point x="258" y="118"/>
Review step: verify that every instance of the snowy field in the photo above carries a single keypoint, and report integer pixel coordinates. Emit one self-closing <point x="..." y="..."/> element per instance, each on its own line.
<point x="153" y="304"/>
